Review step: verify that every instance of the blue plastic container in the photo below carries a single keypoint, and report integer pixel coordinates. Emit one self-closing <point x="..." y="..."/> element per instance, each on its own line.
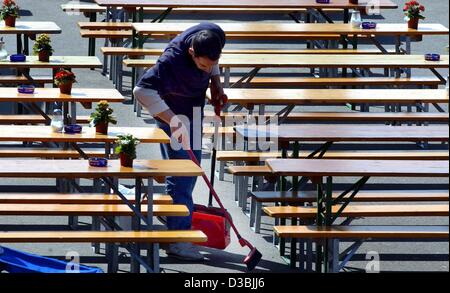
<point x="73" y="128"/>
<point x="26" y="89"/>
<point x="98" y="162"/>
<point x="17" y="58"/>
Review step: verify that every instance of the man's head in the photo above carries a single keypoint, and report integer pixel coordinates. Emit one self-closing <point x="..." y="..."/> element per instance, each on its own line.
<point x="206" y="49"/>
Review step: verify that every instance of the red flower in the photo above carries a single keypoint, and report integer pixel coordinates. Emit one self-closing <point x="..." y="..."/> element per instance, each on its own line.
<point x="422" y="8"/>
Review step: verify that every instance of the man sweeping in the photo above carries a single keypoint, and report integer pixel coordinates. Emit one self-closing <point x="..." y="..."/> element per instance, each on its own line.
<point x="174" y="92"/>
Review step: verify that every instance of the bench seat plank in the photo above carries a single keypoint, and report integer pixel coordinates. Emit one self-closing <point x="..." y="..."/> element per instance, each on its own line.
<point x="362" y="196"/>
<point x="47" y="153"/>
<point x="422" y="210"/>
<point x="71" y="198"/>
<point x="342" y="232"/>
<point x="33" y="119"/>
<point x="103" y="237"/>
<point x="88" y="210"/>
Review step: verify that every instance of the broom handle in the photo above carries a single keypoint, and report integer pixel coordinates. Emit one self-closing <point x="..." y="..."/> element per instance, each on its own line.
<point x="216" y="197"/>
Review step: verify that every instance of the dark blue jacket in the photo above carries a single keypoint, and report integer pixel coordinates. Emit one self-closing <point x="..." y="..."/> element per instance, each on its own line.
<point x="176" y="77"/>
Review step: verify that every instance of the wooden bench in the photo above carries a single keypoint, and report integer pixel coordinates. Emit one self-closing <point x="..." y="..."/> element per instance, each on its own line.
<point x="111" y="238"/>
<point x="73" y="198"/>
<point x="261" y="82"/>
<point x="119" y="51"/>
<point x="94" y="210"/>
<point x="14" y="80"/>
<point x="337" y="233"/>
<point x="25" y="119"/>
<point x="356" y="211"/>
<point x="103" y="237"/>
<point x="258" y="198"/>
<point x="44" y="153"/>
<point x="351" y="116"/>
<point x="243" y="156"/>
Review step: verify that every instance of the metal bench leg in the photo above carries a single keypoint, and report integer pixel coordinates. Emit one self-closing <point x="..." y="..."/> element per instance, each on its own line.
<point x="244" y="193"/>
<point x="153" y="257"/>
<point x="252" y="211"/>
<point x="333" y="245"/>
<point x="236" y="188"/>
<point x="258" y="215"/>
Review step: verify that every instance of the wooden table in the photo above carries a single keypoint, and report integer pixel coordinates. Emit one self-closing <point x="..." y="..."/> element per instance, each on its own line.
<point x="75" y="169"/>
<point x="84" y="96"/>
<point x="260" y="61"/>
<point x="29" y="30"/>
<point x="347" y="133"/>
<point x="248" y="98"/>
<point x="318" y="169"/>
<point x="88" y="135"/>
<point x="397" y="30"/>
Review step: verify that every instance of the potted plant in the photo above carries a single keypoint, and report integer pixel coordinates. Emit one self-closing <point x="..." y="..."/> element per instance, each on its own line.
<point x="102" y="117"/>
<point x="64" y="79"/>
<point x="43" y="48"/>
<point x="9" y="12"/>
<point x="126" y="149"/>
<point x="413" y="11"/>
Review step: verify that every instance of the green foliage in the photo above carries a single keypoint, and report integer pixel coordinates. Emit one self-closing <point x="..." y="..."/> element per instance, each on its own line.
<point x="42" y="44"/>
<point x="127" y="144"/>
<point x="9" y="8"/>
<point x="103" y="114"/>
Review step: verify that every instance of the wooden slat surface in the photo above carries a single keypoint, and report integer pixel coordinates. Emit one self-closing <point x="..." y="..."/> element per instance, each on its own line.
<point x="87" y="210"/>
<point x="82" y="95"/>
<point x="385" y="4"/>
<point x="362" y="196"/>
<point x="333" y="96"/>
<point x="45" y="134"/>
<point x="351" y="116"/>
<point x="391" y="210"/>
<point x="46" y="153"/>
<point x="277" y="82"/>
<point x="33" y="119"/>
<point x="425" y="232"/>
<point x="56" y="62"/>
<point x="71" y="198"/>
<point x="347" y="133"/>
<point x="156" y="52"/>
<point x="314" y="61"/>
<point x="391" y="29"/>
<point x="103" y="237"/>
<point x="81" y="169"/>
<point x="347" y="155"/>
<point x="31" y="27"/>
<point x="250" y="170"/>
<point x="373" y="168"/>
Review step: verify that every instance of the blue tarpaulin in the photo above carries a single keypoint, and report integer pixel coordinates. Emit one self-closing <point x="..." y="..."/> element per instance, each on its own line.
<point x="14" y="261"/>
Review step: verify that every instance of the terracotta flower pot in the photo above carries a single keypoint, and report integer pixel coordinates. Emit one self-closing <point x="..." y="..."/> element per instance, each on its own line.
<point x="65" y="88"/>
<point x="102" y="128"/>
<point x="125" y="160"/>
<point x="44" y="56"/>
<point x="10" y="21"/>
<point x="413" y="23"/>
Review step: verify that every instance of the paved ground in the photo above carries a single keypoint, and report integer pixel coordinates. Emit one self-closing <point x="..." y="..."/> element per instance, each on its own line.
<point x="70" y="43"/>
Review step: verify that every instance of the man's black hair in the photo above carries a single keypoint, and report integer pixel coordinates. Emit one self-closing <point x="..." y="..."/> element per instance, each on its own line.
<point x="207" y="43"/>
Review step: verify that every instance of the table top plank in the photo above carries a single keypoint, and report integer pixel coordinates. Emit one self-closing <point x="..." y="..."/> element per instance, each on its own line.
<point x="81" y="95"/>
<point x="55" y="62"/>
<point x="313" y="61"/>
<point x="347" y="133"/>
<point x="253" y="28"/>
<point x="327" y="96"/>
<point x="81" y="169"/>
<point x="31" y="27"/>
<point x="29" y="133"/>
<point x="294" y="4"/>
<point x="87" y="210"/>
<point x="373" y="168"/>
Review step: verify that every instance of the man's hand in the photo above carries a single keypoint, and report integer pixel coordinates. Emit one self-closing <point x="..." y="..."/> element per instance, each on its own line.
<point x="218" y="98"/>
